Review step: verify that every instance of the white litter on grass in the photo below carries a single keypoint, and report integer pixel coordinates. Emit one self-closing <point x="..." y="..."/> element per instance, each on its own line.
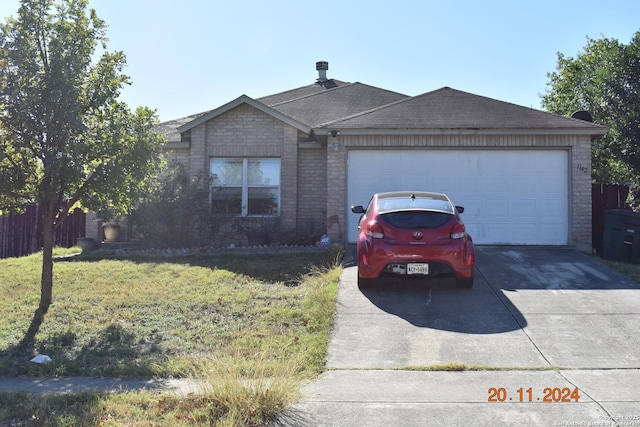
<point x="41" y="358"/>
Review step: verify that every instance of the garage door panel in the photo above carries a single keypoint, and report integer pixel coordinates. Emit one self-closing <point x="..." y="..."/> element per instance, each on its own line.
<point x="510" y="196"/>
<point x="496" y="232"/>
<point x="529" y="185"/>
<point x="550" y="230"/>
<point x="467" y="185"/>
<point x="550" y="210"/>
<point x="497" y="183"/>
<point x="549" y="187"/>
<point x="527" y="231"/>
<point x="495" y="208"/>
<point x="524" y="208"/>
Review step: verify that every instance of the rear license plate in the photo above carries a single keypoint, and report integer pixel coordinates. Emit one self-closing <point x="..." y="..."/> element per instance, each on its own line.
<point x="417" y="268"/>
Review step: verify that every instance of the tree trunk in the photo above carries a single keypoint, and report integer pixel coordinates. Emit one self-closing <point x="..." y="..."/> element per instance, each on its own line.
<point x="48" y="236"/>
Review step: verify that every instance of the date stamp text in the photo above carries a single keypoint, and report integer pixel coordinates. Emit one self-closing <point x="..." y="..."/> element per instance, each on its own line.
<point x="546" y="395"/>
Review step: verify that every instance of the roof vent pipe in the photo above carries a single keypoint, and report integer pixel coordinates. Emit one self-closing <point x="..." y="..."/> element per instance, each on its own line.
<point x="322" y="67"/>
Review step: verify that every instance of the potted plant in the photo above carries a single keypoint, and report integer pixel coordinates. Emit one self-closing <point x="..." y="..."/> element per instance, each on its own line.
<point x="110" y="217"/>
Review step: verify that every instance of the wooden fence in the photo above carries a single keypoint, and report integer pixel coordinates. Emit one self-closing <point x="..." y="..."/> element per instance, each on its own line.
<point x="21" y="234"/>
<point x="605" y="197"/>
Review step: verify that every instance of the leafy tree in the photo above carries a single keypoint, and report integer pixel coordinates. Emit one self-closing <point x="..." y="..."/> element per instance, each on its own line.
<point x="65" y="139"/>
<point x="604" y="80"/>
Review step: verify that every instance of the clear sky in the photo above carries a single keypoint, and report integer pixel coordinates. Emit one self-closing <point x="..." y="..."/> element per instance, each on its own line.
<point x="189" y="56"/>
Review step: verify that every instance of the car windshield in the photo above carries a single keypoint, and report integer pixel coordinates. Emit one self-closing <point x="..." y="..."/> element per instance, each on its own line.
<point x="389" y="204"/>
<point x="416" y="219"/>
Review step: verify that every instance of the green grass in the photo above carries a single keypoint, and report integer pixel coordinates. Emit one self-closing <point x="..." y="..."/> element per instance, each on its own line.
<point x="257" y="315"/>
<point x="630" y="270"/>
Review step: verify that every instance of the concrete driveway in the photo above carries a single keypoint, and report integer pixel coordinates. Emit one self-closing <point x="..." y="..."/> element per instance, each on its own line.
<point x="540" y="326"/>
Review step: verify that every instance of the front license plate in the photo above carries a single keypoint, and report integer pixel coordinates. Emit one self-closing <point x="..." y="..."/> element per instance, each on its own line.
<point x="417" y="268"/>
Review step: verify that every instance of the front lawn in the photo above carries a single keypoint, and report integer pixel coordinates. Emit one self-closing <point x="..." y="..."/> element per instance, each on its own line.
<point x="170" y="317"/>
<point x="628" y="269"/>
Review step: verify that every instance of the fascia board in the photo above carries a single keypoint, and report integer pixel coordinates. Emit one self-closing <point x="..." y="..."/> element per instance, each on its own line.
<point x="593" y="132"/>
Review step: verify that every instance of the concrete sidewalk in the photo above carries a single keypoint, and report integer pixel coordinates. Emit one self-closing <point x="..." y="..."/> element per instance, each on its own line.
<point x="375" y="398"/>
<point x="380" y="398"/>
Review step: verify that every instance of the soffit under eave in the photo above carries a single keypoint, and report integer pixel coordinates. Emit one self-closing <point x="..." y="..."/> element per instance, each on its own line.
<point x="592" y="132"/>
<point x="244" y="99"/>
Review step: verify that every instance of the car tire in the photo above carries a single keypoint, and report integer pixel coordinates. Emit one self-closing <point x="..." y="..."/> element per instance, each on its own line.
<point x="365" y="283"/>
<point x="465" y="283"/>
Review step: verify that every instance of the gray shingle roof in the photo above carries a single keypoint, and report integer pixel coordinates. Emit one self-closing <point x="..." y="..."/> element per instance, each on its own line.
<point x="359" y="107"/>
<point x="300" y="92"/>
<point x="337" y="103"/>
<point x="451" y="109"/>
<point x="170" y="128"/>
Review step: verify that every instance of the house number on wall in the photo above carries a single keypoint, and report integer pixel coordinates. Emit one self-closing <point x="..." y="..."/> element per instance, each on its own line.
<point x="582" y="168"/>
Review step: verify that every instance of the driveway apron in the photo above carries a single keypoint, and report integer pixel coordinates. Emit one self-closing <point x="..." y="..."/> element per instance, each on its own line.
<point x="548" y="336"/>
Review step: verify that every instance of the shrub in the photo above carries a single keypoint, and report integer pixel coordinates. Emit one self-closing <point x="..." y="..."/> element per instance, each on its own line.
<point x="177" y="213"/>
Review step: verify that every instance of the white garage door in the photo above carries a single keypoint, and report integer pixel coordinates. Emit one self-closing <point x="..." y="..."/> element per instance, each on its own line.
<point x="518" y="197"/>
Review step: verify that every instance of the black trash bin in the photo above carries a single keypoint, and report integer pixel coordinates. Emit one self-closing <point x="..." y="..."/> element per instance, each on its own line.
<point x="621" y="241"/>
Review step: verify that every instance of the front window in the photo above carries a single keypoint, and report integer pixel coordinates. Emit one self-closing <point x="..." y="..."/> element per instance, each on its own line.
<point x="245" y="186"/>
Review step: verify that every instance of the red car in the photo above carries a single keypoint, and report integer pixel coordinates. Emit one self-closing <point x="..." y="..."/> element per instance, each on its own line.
<point x="413" y="234"/>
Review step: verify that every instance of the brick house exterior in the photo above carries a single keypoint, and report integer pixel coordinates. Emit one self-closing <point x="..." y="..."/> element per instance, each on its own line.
<point x="313" y="129"/>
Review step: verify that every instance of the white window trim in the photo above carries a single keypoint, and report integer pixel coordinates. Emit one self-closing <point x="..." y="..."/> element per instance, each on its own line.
<point x="245" y="186"/>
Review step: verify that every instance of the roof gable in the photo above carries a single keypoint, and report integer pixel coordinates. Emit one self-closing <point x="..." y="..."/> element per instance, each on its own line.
<point x="451" y="109"/>
<point x="244" y="99"/>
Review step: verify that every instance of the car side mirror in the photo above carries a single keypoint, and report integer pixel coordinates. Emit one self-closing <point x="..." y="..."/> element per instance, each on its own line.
<point x="460" y="209"/>
<point x="357" y="209"/>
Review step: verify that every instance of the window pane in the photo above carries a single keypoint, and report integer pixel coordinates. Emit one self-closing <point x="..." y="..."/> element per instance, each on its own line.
<point x="226" y="172"/>
<point x="417" y="219"/>
<point x="226" y="200"/>
<point x="264" y="172"/>
<point x="263" y="201"/>
<point x="405" y="203"/>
